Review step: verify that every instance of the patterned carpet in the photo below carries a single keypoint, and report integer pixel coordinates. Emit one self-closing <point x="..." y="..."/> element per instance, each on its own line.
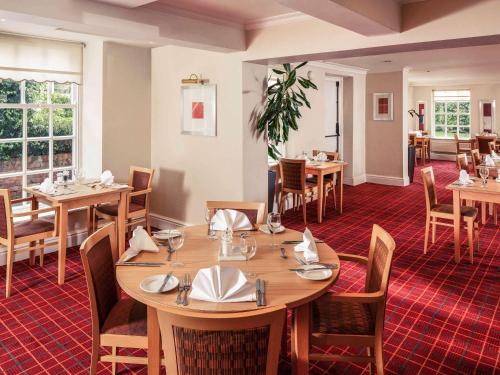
<point x="442" y="318"/>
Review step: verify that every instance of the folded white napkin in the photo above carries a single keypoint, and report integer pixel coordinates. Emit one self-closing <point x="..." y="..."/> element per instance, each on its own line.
<point x="230" y="219"/>
<point x="418" y="133"/>
<point x="308" y="246"/>
<point x="464" y="178"/>
<point x="107" y="178"/>
<point x="140" y="241"/>
<point x="321" y="157"/>
<point x="488" y="161"/>
<point x="222" y="284"/>
<point x="494" y="155"/>
<point x="47" y="187"/>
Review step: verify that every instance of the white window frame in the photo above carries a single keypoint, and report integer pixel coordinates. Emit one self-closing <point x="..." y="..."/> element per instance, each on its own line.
<point x="74" y="105"/>
<point x="445" y="113"/>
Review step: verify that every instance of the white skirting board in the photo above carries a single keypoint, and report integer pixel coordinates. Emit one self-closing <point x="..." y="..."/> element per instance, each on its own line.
<point x="387" y="180"/>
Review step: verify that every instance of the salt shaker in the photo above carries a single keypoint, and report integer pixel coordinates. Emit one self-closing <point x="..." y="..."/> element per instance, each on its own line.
<point x="226" y="242"/>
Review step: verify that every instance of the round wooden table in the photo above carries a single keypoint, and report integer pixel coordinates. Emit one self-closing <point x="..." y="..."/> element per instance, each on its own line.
<point x="283" y="287"/>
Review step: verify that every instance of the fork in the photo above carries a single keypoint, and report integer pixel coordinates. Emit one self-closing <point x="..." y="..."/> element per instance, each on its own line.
<point x="187" y="286"/>
<point x="180" y="288"/>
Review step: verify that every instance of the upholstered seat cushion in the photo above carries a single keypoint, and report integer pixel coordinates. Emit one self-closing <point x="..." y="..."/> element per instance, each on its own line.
<point x="127" y="317"/>
<point x="112" y="209"/>
<point x="448" y="209"/>
<point x="29" y="227"/>
<point x="331" y="317"/>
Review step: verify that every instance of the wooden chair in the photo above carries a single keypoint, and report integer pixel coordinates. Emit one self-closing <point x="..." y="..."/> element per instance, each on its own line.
<point x="492" y="146"/>
<point x="293" y="180"/>
<point x="33" y="232"/>
<point x="476" y="162"/>
<point x="229" y="343"/>
<point x="422" y="147"/>
<point x="463" y="146"/>
<point x="116" y="322"/>
<point x="331" y="155"/>
<point x="436" y="212"/>
<point x="462" y="162"/>
<point x="255" y="211"/>
<point x="357" y="319"/>
<point x="329" y="180"/>
<point x="138" y="204"/>
<point x="483" y="143"/>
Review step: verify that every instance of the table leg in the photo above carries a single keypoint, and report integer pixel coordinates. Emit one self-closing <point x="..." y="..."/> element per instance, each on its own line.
<point x="456" y="224"/>
<point x="90" y="220"/>
<point x="320" y="196"/>
<point x="300" y="342"/>
<point x="340" y="184"/>
<point x="63" y="236"/>
<point x="122" y="216"/>
<point x="34" y="206"/>
<point x="154" y="342"/>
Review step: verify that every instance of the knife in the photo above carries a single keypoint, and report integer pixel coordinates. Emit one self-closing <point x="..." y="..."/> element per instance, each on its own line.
<point x="262" y="288"/>
<point x="165" y="281"/>
<point x="257" y="291"/>
<point x="141" y="264"/>
<point x="332" y="267"/>
<point x="289" y="242"/>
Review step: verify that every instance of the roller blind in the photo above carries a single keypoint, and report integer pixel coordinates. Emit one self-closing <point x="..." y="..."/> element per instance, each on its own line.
<point x="27" y="58"/>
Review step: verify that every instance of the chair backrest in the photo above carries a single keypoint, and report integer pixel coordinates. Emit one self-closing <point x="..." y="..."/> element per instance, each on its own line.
<point x="492" y="145"/>
<point x="483" y="143"/>
<point x="140" y="179"/>
<point x="412" y="139"/>
<point x="99" y="254"/>
<point x="476" y="160"/>
<point x="462" y="162"/>
<point x="331" y="155"/>
<point x="293" y="175"/>
<point x="229" y="343"/>
<point x="5" y="216"/>
<point x="429" y="187"/>
<point x="254" y="210"/>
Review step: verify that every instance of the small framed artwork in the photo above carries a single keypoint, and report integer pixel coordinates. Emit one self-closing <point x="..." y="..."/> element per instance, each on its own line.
<point x="199" y="110"/>
<point x="487" y="115"/>
<point x="421" y="107"/>
<point x="382" y="106"/>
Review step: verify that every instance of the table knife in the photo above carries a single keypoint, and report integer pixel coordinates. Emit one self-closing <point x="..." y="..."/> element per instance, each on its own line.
<point x="165" y="281"/>
<point x="140" y="264"/>
<point x="258" y="293"/>
<point x="334" y="266"/>
<point x="262" y="287"/>
<point x="293" y="242"/>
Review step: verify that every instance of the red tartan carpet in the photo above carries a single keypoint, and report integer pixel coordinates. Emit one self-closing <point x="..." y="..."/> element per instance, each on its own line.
<point x="442" y="318"/>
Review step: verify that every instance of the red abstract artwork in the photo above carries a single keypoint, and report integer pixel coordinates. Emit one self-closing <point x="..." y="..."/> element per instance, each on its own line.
<point x="197" y="110"/>
<point x="383" y="106"/>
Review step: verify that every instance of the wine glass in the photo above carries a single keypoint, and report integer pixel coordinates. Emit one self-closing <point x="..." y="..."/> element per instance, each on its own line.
<point x="78" y="175"/>
<point x="273" y="223"/>
<point x="484" y="172"/>
<point x="175" y="242"/>
<point x="208" y="218"/>
<point x="248" y="248"/>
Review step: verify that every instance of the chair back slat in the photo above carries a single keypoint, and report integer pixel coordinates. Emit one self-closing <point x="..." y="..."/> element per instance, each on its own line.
<point x="462" y="162"/>
<point x="429" y="187"/>
<point x="476" y="160"/>
<point x="140" y="179"/>
<point x="293" y="175"/>
<point x="5" y="213"/>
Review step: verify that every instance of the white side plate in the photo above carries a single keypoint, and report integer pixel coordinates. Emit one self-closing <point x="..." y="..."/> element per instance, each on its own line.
<point x="315" y="275"/>
<point x="152" y="284"/>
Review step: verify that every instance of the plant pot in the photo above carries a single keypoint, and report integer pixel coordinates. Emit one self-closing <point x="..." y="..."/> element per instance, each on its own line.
<point x="271" y="186"/>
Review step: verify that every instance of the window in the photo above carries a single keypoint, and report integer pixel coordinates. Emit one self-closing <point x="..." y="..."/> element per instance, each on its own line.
<point x="451" y="114"/>
<point x="38" y="128"/>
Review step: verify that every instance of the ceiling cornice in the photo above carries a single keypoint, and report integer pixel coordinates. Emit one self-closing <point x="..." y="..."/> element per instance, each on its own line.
<point x="281" y="19"/>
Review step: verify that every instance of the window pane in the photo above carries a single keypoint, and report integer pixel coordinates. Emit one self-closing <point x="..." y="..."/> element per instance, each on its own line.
<point x="451" y="107"/>
<point x="38" y="122"/>
<point x="439" y="119"/>
<point x="464" y="119"/>
<point x="11" y="157"/>
<point x="11" y="123"/>
<point x="439" y="107"/>
<point x="452" y="130"/>
<point x="14" y="184"/>
<point x="464" y="132"/>
<point x="36" y="179"/>
<point x="62" y="93"/>
<point x="38" y="155"/>
<point x="10" y="91"/>
<point x="464" y="107"/>
<point x="63" y="156"/>
<point x="439" y="131"/>
<point x="451" y="119"/>
<point x="36" y="92"/>
<point x="62" y="121"/>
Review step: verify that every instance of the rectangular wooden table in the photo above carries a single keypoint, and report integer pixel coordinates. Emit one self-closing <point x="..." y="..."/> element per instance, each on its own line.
<point x="473" y="192"/>
<point x="78" y="196"/>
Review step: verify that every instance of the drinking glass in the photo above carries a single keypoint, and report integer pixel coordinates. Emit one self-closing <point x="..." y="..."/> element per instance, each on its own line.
<point x="175" y="242"/>
<point x="208" y="218"/>
<point x="78" y="175"/>
<point x="273" y="223"/>
<point x="484" y="172"/>
<point x="248" y="247"/>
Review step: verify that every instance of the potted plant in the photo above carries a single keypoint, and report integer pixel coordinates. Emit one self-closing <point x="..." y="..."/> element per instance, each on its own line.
<point x="285" y="97"/>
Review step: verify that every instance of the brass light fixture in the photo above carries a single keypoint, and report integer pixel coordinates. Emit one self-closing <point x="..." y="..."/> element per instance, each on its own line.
<point x="194" y="79"/>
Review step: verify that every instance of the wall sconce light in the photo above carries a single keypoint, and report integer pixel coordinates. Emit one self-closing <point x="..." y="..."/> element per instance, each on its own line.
<point x="194" y="79"/>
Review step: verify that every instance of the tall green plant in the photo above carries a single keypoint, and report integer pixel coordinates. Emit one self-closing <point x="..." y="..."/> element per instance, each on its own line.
<point x="282" y="110"/>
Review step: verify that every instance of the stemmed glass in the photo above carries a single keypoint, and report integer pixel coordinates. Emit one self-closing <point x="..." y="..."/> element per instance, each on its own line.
<point x="484" y="172"/>
<point x="208" y="219"/>
<point x="78" y="175"/>
<point x="175" y="242"/>
<point x="248" y="247"/>
<point x="273" y="223"/>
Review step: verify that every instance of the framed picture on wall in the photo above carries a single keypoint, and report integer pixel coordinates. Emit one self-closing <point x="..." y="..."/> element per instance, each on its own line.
<point x="199" y="110"/>
<point x="382" y="106"/>
<point x="421" y="107"/>
<point x="487" y="115"/>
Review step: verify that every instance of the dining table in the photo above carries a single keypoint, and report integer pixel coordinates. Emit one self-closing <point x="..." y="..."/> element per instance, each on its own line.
<point x="475" y="191"/>
<point x="283" y="287"/>
<point x="78" y="195"/>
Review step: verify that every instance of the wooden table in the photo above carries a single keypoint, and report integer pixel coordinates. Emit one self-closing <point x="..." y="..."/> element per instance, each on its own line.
<point x="474" y="192"/>
<point x="283" y="287"/>
<point x="77" y="196"/>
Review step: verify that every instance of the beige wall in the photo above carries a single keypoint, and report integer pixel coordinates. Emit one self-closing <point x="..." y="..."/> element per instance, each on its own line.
<point x="126" y="108"/>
